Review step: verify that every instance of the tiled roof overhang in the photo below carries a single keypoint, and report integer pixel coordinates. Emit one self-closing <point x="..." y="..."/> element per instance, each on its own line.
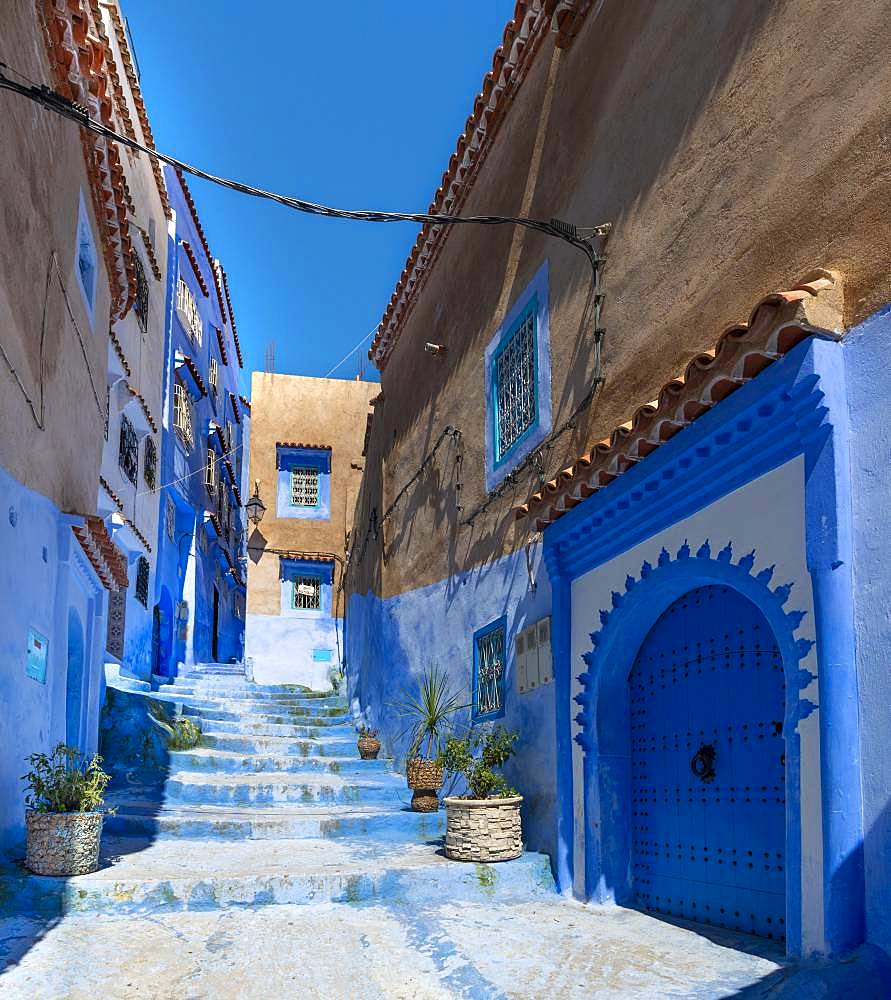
<point x="778" y="322"/>
<point x="105" y="557"/>
<point x="233" y="399"/>
<point x="144" y="405"/>
<point x="246" y="403"/>
<point x="183" y="360"/>
<point x="190" y="201"/>
<point x="141" y="114"/>
<point x="298" y="444"/>
<point x="522" y="39"/>
<point x="231" y="315"/>
<point x="221" y="341"/>
<point x="193" y="260"/>
<point x="82" y="65"/>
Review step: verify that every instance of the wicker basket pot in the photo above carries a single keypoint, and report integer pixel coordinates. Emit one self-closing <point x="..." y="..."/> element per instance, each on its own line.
<point x="369" y="747"/>
<point x="63" y="843"/>
<point x="423" y="773"/>
<point x="483" y="829"/>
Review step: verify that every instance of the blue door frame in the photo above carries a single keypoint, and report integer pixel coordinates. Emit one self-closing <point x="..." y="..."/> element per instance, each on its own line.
<point x="797" y="406"/>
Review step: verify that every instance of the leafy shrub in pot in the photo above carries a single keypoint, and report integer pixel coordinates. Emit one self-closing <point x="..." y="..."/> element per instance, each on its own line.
<point x="483" y="825"/>
<point x="63" y="818"/>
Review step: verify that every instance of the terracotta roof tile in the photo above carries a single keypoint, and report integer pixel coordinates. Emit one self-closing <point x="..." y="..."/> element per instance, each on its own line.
<point x="105" y="557"/>
<point x="246" y="403"/>
<point x="297" y="444"/>
<point x="777" y="323"/>
<point x="144" y="405"/>
<point x="193" y="260"/>
<point x="119" y="350"/>
<point x="221" y="340"/>
<point x="231" y="316"/>
<point x="192" y="368"/>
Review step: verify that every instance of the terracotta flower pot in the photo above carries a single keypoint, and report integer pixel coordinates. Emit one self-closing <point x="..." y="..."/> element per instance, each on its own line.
<point x="369" y="747"/>
<point x="483" y="830"/>
<point x="63" y="843"/>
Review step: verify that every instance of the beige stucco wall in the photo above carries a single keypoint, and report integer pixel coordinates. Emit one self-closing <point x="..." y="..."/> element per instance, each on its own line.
<point x="314" y="411"/>
<point x="734" y="147"/>
<point x="42" y="175"/>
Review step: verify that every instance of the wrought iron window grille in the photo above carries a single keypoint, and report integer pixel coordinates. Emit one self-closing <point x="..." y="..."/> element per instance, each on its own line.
<point x="488" y="695"/>
<point x="182" y="414"/>
<point x="516" y="403"/>
<point x="306" y="593"/>
<point x="142" y="581"/>
<point x="187" y="310"/>
<point x="170" y="519"/>
<point x="304" y="487"/>
<point x="150" y="464"/>
<point x="213" y="378"/>
<point x="128" y="450"/>
<point x="141" y="301"/>
<point x="210" y="471"/>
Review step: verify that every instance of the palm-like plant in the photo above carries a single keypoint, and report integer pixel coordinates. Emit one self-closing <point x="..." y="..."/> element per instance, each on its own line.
<point x="429" y="712"/>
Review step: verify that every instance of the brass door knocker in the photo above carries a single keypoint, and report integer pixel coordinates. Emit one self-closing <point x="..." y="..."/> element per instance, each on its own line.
<point x="702" y="764"/>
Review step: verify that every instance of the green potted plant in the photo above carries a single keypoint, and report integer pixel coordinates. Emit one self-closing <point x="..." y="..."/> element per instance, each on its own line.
<point x="429" y="713"/>
<point x="483" y="825"/>
<point x="64" y="814"/>
<point x="368" y="743"/>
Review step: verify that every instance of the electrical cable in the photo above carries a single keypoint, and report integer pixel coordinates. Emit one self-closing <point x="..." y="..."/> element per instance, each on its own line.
<point x="356" y="347"/>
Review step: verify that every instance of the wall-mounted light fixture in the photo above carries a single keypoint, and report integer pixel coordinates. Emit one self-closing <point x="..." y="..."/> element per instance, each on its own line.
<point x="435" y="349"/>
<point x="255" y="507"/>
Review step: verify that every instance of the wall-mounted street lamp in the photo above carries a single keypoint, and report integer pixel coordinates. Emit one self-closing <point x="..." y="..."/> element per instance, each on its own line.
<point x="255" y="507"/>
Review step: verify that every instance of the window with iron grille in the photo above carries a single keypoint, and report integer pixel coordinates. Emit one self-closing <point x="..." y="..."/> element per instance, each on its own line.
<point x="142" y="581"/>
<point x="182" y="414"/>
<point x="210" y="470"/>
<point x="141" y="301"/>
<point x="128" y="450"/>
<point x="87" y="260"/>
<point x="488" y="670"/>
<point x="170" y="519"/>
<point x="187" y="310"/>
<point x="230" y="435"/>
<point x="307" y="593"/>
<point x="514" y="385"/>
<point x="213" y="377"/>
<point x="304" y="486"/>
<point x="150" y="464"/>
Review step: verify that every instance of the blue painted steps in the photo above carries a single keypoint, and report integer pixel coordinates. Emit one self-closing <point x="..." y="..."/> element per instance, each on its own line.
<point x="274" y="806"/>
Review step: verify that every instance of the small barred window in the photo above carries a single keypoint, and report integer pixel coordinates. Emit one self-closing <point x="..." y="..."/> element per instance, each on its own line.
<point x="488" y="664"/>
<point x="307" y="594"/>
<point x="182" y="414"/>
<point x="141" y="300"/>
<point x="304" y="487"/>
<point x="170" y="519"/>
<point x="210" y="470"/>
<point x="142" y="581"/>
<point x="128" y="450"/>
<point x="514" y="382"/>
<point x="150" y="464"/>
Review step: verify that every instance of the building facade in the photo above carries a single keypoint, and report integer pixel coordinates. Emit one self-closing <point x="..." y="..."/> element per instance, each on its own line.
<point x="66" y="275"/>
<point x="633" y="508"/>
<point x="200" y="587"/>
<point x="307" y="447"/>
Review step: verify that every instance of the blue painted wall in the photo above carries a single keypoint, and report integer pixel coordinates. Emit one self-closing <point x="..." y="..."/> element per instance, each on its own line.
<point x="191" y="564"/>
<point x="867" y="351"/>
<point x="390" y="642"/>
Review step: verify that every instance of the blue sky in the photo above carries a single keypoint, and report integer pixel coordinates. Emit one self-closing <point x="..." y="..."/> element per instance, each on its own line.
<point x="354" y="104"/>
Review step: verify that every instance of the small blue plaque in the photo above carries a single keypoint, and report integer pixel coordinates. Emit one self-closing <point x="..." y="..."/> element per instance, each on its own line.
<point x="321" y="655"/>
<point x="38" y="645"/>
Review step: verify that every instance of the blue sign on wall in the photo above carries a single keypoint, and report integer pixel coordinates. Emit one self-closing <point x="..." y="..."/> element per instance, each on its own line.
<point x="321" y="655"/>
<point x="38" y="645"/>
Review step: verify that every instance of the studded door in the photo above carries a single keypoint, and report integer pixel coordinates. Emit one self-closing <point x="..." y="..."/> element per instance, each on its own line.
<point x="707" y="765"/>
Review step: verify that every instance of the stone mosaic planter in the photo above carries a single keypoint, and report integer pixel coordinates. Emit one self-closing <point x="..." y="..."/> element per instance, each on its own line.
<point x="63" y="843"/>
<point x="483" y="829"/>
<point x="369" y="747"/>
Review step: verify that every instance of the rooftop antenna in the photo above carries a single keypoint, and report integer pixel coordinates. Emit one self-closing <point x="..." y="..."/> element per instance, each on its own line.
<point x="270" y="356"/>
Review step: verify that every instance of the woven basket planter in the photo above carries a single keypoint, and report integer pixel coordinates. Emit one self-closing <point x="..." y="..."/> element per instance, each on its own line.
<point x="483" y="829"/>
<point x="423" y="773"/>
<point x="63" y="843"/>
<point x="369" y="747"/>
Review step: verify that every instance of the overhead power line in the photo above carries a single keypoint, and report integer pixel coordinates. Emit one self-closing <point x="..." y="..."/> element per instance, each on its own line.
<point x="580" y="238"/>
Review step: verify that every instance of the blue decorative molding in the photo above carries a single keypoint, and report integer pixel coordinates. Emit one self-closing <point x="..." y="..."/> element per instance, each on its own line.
<point x="316" y="458"/>
<point x="797" y="406"/>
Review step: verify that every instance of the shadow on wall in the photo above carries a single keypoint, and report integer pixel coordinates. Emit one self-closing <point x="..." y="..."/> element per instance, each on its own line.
<point x="133" y="737"/>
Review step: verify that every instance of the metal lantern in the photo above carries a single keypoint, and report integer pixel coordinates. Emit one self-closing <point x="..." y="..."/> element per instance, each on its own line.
<point x="255" y="507"/>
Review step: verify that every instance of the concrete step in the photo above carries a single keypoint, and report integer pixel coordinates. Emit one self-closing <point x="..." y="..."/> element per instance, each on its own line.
<point x="345" y="732"/>
<point x="323" y="745"/>
<point x="151" y="879"/>
<point x="272" y="717"/>
<point x="198" y="788"/>
<point x="245" y="687"/>
<point x="156" y="820"/>
<point x="209" y="760"/>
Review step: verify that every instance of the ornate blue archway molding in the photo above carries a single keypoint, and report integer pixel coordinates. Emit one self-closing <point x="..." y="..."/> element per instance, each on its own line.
<point x="604" y="722"/>
<point x="797" y="406"/>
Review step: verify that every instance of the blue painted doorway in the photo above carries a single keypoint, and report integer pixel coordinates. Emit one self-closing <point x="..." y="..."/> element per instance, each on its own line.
<point x="707" y="697"/>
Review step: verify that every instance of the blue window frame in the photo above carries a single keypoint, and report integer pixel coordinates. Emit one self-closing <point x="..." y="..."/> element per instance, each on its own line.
<point x="86" y="261"/>
<point x="306" y="588"/>
<point x="304" y="483"/>
<point x="489" y="668"/>
<point x="518" y="382"/>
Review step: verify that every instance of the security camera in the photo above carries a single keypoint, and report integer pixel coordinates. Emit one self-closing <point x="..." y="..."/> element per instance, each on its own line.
<point x="434" y="349"/>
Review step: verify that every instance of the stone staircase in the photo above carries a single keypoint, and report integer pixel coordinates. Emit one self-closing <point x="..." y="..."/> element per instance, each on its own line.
<point x="274" y="806"/>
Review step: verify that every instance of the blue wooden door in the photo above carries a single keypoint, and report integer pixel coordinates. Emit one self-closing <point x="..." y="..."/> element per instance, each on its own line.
<point x="707" y="765"/>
